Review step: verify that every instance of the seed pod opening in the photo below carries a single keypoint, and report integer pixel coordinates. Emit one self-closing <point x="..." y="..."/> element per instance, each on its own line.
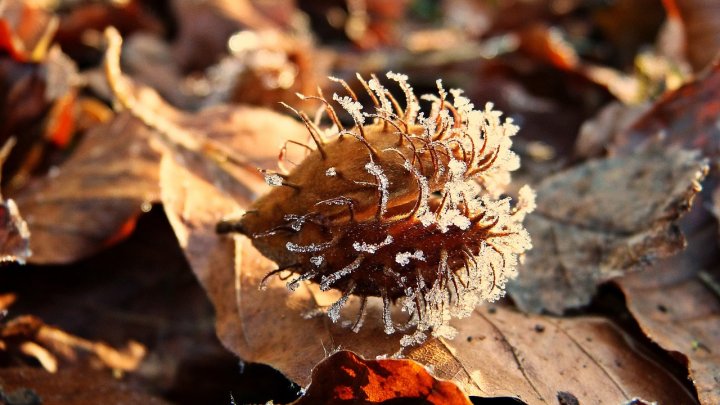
<point x="402" y="206"/>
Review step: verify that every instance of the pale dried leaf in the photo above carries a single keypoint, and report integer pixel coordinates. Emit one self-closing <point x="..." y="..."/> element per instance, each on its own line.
<point x="501" y="352"/>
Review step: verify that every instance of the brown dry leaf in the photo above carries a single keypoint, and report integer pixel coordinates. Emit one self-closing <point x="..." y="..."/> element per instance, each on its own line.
<point x="92" y="199"/>
<point x="26" y="385"/>
<point x="501" y="352"/>
<point x="677" y="305"/>
<point x="681" y="313"/>
<point x="547" y="44"/>
<point x="345" y="376"/>
<point x="602" y="219"/>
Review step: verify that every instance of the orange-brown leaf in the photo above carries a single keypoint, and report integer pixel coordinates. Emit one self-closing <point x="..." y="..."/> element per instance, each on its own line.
<point x="345" y="376"/>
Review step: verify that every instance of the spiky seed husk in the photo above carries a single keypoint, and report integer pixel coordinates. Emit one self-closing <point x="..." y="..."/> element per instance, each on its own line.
<point x="402" y="206"/>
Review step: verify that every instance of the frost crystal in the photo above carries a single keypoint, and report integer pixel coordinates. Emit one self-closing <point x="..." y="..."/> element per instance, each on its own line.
<point x="273" y="179"/>
<point x="372" y="248"/>
<point x="354" y="108"/>
<point x="308" y="248"/>
<point x="383" y="184"/>
<point x="327" y="281"/>
<point x="296" y="221"/>
<point x="317" y="260"/>
<point x="334" y="310"/>
<point x="411" y="102"/>
<point x="403" y="258"/>
<point x="294" y="284"/>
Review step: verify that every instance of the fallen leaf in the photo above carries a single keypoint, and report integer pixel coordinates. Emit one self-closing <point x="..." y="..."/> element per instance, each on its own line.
<point x="599" y="132"/>
<point x="345" y="376"/>
<point x="80" y="206"/>
<point x="677" y="305"/>
<point x="26" y="385"/>
<point x="547" y="44"/>
<point x="501" y="352"/>
<point x="50" y="346"/>
<point x="682" y="315"/>
<point x="686" y="117"/>
<point x="601" y="219"/>
<point x="198" y="190"/>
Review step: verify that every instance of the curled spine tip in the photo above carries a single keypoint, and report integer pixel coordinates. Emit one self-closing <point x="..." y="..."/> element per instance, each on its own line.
<point x="365" y="85"/>
<point x="311" y="127"/>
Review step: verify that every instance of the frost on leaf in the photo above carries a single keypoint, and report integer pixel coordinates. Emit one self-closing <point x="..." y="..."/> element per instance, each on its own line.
<point x="406" y="211"/>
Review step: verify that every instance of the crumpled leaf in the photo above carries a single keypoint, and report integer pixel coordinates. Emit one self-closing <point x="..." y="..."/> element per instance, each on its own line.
<point x="26" y="385"/>
<point x="91" y="200"/>
<point x="677" y="305"/>
<point x="681" y="313"/>
<point x="602" y="219"/>
<point x="686" y="117"/>
<point x="345" y="376"/>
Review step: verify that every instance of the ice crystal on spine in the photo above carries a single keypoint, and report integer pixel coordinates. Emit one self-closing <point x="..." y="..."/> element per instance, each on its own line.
<point x="404" y="210"/>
